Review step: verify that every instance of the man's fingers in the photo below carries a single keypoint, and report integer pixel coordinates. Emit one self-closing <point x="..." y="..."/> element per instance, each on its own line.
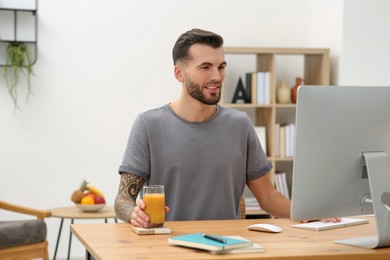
<point x="139" y="218"/>
<point x="141" y="204"/>
<point x="334" y="220"/>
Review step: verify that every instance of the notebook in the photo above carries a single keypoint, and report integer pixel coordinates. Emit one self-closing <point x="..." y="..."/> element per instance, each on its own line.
<point x="320" y="225"/>
<point x="199" y="241"/>
<point x="254" y="248"/>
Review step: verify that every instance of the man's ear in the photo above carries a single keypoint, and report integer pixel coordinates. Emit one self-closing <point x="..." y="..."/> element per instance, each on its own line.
<point x="178" y="72"/>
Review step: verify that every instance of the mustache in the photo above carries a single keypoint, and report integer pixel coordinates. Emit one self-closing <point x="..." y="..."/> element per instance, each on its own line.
<point x="214" y="82"/>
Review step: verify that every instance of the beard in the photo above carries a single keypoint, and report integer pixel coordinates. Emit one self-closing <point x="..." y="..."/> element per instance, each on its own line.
<point x="196" y="91"/>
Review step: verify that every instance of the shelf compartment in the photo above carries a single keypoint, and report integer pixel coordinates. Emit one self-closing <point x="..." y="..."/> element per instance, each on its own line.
<point x="18" y="16"/>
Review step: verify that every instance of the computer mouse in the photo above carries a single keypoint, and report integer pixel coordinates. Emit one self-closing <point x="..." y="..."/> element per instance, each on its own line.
<point x="265" y="228"/>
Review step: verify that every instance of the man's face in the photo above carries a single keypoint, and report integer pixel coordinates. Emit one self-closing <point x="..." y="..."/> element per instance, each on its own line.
<point x="205" y="73"/>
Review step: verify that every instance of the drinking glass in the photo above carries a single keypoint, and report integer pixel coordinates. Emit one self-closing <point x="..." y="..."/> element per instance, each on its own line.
<point x="154" y="198"/>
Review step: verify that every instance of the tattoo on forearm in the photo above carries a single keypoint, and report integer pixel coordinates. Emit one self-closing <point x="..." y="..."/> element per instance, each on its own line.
<point x="125" y="201"/>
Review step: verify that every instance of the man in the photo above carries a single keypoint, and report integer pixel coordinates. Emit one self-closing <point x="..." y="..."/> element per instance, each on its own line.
<point x="202" y="153"/>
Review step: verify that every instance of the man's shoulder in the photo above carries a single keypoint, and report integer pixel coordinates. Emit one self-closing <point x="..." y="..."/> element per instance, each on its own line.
<point x="155" y="112"/>
<point x="232" y="112"/>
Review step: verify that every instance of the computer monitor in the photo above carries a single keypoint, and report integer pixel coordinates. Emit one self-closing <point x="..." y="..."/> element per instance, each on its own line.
<point x="341" y="164"/>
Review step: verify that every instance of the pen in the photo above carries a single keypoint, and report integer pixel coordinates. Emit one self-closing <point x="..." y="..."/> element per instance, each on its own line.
<point x="220" y="240"/>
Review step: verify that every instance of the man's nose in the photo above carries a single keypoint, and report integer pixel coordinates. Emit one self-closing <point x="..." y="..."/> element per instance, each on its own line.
<point x="216" y="75"/>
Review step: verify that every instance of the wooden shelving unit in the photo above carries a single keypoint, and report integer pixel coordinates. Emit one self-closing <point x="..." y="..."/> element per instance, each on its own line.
<point x="316" y="71"/>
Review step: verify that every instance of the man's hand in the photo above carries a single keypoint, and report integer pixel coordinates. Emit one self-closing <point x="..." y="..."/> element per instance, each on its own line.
<point x="139" y="217"/>
<point x="325" y="220"/>
<point x="334" y="220"/>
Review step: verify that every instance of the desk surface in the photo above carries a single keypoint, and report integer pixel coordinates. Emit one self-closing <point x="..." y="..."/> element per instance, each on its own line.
<point x="117" y="241"/>
<point x="76" y="213"/>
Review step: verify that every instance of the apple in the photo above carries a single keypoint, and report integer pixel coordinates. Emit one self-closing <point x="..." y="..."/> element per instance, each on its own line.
<point x="99" y="200"/>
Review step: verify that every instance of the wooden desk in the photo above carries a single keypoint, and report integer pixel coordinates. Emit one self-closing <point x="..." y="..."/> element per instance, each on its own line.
<point x="73" y="213"/>
<point x="117" y="241"/>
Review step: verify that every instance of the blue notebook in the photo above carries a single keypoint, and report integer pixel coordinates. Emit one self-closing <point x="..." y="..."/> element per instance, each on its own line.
<point x="198" y="240"/>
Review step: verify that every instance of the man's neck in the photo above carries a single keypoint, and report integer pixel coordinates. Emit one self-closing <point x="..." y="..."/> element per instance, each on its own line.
<point x="193" y="110"/>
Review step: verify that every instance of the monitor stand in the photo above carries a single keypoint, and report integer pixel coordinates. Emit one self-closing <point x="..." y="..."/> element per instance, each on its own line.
<point x="378" y="170"/>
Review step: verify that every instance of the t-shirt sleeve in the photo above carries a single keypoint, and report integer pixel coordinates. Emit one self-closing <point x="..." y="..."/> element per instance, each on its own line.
<point x="258" y="164"/>
<point x="136" y="159"/>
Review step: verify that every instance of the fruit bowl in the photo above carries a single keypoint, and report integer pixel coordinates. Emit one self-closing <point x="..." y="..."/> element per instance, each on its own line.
<point x="90" y="207"/>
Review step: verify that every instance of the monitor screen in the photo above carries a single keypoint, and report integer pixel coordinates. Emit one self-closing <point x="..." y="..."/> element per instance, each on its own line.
<point x="337" y="128"/>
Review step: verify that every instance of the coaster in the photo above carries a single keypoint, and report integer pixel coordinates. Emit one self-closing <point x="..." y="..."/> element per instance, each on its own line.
<point x="151" y="231"/>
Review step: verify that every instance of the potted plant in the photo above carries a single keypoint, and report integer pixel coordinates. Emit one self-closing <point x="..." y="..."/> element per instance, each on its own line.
<point x="18" y="61"/>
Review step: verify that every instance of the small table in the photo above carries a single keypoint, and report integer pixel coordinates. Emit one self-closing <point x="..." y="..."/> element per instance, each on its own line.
<point x="73" y="213"/>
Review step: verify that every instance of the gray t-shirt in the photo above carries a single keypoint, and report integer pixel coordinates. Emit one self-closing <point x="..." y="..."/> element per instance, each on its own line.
<point x="203" y="166"/>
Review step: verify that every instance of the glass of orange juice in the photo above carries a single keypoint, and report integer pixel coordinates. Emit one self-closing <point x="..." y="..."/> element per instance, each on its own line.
<point x="154" y="198"/>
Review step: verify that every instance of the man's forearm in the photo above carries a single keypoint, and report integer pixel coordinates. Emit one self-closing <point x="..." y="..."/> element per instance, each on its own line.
<point x="123" y="208"/>
<point x="125" y="200"/>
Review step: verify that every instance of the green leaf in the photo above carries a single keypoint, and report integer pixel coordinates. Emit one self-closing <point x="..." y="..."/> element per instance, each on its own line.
<point x="18" y="60"/>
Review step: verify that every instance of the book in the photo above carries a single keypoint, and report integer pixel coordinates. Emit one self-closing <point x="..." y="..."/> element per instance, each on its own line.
<point x="281" y="184"/>
<point x="263" y="87"/>
<point x="290" y="132"/>
<point x="288" y="140"/>
<point x="199" y="241"/>
<point x="254" y="248"/>
<point x="267" y="87"/>
<point x="151" y="231"/>
<point x="292" y="141"/>
<point x="282" y="141"/>
<point x="251" y="205"/>
<point x="277" y="140"/>
<point x="260" y="88"/>
<point x="320" y="225"/>
<point x="254" y="88"/>
<point x="283" y="180"/>
<point x="261" y="132"/>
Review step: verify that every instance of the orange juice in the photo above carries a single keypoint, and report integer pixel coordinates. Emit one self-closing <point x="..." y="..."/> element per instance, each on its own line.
<point x="155" y="208"/>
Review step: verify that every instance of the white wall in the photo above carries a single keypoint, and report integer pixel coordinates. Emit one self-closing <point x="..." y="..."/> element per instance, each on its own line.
<point x="365" y="48"/>
<point x="102" y="62"/>
<point x="326" y="30"/>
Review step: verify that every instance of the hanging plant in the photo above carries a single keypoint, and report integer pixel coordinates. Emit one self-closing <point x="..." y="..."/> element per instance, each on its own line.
<point x="18" y="61"/>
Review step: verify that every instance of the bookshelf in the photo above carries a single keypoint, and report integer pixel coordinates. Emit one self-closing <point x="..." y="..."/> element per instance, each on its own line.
<point x="314" y="69"/>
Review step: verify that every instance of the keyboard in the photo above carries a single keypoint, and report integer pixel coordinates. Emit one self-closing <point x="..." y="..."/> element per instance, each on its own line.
<point x="320" y="225"/>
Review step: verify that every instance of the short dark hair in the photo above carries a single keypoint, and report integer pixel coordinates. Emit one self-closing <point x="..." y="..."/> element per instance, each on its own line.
<point x="189" y="38"/>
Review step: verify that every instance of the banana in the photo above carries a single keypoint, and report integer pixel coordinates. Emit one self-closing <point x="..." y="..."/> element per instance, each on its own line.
<point x="95" y="191"/>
